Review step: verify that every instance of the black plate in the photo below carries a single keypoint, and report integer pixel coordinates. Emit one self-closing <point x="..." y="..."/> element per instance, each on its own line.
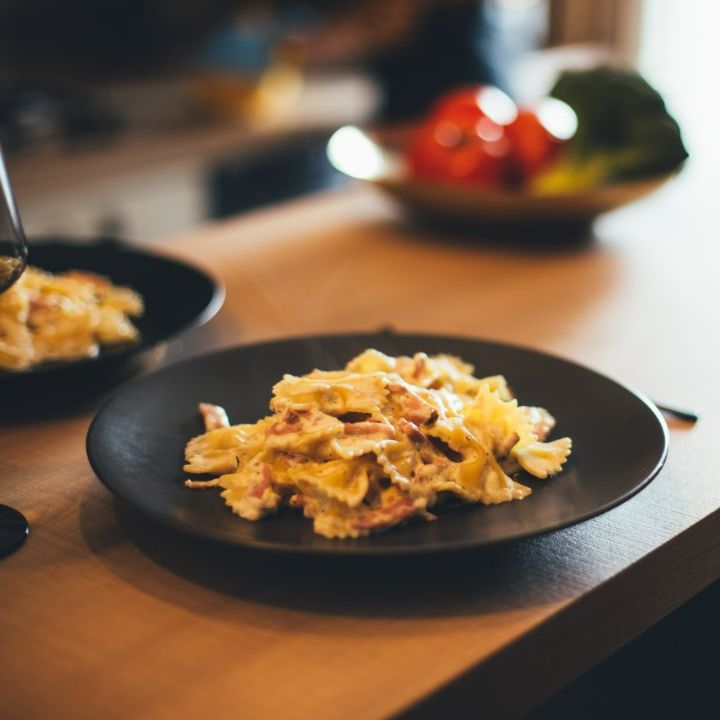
<point x="177" y="297"/>
<point x="135" y="443"/>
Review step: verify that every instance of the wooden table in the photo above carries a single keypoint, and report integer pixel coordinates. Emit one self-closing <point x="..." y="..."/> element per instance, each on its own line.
<point x="105" y="615"/>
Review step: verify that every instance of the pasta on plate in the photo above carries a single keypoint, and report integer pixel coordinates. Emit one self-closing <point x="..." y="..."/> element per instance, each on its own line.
<point x="63" y="317"/>
<point x="369" y="447"/>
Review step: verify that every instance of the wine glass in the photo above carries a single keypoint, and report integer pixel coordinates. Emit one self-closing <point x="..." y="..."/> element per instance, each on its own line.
<point x="14" y="527"/>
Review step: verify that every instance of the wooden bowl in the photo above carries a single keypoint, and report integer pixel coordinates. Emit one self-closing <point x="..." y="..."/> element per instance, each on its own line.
<point x="379" y="158"/>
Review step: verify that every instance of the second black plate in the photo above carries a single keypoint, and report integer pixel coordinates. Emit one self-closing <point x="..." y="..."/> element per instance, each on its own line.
<point x="177" y="298"/>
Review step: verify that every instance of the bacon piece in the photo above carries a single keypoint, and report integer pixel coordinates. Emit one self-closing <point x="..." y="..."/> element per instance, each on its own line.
<point x="287" y="422"/>
<point x="213" y="416"/>
<point x="384" y="517"/>
<point x="259" y="488"/>
<point x="199" y="484"/>
<point x="38" y="304"/>
<point x="412" y="407"/>
<point x="427" y="450"/>
<point x="302" y="430"/>
<point x="368" y="428"/>
<point x="415" y="435"/>
<point x="291" y="459"/>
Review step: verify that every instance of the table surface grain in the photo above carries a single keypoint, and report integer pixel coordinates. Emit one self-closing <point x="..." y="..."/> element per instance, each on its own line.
<point x="104" y="615"/>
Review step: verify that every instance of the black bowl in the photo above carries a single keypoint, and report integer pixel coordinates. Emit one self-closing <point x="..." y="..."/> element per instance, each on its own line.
<point x="177" y="296"/>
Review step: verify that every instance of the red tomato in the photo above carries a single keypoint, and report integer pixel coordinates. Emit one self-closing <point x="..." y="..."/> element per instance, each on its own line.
<point x="533" y="147"/>
<point x="536" y="135"/>
<point x="470" y="103"/>
<point x="464" y="138"/>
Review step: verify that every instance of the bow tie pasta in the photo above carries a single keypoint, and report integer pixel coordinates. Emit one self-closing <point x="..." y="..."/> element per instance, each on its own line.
<point x="363" y="449"/>
<point x="63" y="317"/>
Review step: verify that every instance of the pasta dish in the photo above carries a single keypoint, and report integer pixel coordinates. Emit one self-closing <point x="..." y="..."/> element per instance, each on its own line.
<point x="63" y="317"/>
<point x="369" y="447"/>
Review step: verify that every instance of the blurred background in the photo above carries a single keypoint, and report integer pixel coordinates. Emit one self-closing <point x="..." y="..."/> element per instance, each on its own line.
<point x="140" y="118"/>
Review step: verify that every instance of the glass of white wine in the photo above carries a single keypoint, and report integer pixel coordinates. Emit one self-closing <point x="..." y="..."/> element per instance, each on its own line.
<point x="14" y="527"/>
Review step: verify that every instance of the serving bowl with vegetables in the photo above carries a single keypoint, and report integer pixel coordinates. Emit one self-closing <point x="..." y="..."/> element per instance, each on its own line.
<point x="601" y="139"/>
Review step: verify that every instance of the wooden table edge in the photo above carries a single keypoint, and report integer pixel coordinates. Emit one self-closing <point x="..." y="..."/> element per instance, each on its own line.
<point x="493" y="683"/>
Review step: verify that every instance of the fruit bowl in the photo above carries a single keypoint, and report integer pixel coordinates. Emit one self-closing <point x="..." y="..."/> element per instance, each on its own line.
<point x="379" y="157"/>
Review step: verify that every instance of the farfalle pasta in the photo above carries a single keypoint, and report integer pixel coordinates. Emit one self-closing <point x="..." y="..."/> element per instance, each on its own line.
<point x="63" y="317"/>
<point x="369" y="447"/>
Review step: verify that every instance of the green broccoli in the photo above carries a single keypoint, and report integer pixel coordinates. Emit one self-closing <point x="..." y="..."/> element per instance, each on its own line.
<point x="624" y="130"/>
